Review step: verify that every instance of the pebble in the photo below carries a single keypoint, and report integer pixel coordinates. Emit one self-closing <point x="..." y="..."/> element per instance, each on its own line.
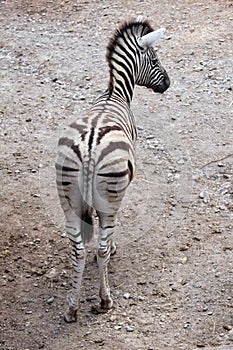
<point x="50" y="300"/>
<point x="117" y="328"/>
<point x="227" y="327"/>
<point x="204" y="195"/>
<point x="28" y="312"/>
<point x="230" y="334"/>
<point x="129" y="329"/>
<point x="150" y="137"/>
<point x="184" y="260"/>
<point x="126" y="295"/>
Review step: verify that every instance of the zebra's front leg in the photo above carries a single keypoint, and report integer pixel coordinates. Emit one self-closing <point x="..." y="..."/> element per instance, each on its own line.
<point x="78" y="256"/>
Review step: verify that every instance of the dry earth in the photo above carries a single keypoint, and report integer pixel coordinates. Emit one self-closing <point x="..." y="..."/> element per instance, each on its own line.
<point x="172" y="276"/>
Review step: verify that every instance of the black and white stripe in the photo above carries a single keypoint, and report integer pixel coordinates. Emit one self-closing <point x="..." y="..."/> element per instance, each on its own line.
<point x="96" y="159"/>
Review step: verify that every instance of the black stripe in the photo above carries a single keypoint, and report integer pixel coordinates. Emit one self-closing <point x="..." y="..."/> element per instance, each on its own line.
<point x="105" y="130"/>
<point x="117" y="191"/>
<point x="81" y="129"/>
<point x="76" y="150"/>
<point x="128" y="75"/>
<point x="91" y="138"/>
<point x="65" y="168"/>
<point x="106" y="227"/>
<point x="115" y="174"/>
<point x="112" y="147"/>
<point x="125" y="86"/>
<point x="63" y="183"/>
<point x="65" y="141"/>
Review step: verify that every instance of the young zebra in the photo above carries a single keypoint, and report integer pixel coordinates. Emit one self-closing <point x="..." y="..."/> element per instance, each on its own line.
<point x="96" y="160"/>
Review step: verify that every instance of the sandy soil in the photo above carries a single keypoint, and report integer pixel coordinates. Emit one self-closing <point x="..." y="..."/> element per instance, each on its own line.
<point x="171" y="278"/>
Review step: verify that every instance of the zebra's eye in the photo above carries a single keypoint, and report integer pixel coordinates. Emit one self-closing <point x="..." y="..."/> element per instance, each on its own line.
<point x="154" y="61"/>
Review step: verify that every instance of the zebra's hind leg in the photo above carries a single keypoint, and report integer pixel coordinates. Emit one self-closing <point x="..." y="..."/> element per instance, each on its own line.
<point x="106" y="248"/>
<point x="78" y="256"/>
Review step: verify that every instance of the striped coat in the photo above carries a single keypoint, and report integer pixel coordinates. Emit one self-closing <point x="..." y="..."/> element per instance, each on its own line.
<point x="96" y="158"/>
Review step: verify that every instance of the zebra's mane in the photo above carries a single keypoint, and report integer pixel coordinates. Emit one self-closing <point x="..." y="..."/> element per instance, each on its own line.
<point x="137" y="27"/>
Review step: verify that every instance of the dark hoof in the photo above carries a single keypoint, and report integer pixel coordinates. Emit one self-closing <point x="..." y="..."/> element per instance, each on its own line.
<point x="106" y="304"/>
<point x="70" y="316"/>
<point x="97" y="310"/>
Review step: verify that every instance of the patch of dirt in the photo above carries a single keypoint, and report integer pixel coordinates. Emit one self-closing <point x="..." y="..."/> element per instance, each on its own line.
<point x="171" y="278"/>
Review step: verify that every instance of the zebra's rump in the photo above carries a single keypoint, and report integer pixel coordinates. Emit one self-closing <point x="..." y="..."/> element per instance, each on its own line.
<point x="113" y="172"/>
<point x="95" y="171"/>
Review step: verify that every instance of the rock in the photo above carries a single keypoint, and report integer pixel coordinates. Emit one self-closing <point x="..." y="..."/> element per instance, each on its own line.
<point x="205" y="196"/>
<point x="50" y="300"/>
<point x="184" y="260"/>
<point x="230" y="334"/>
<point x="129" y="329"/>
<point x="117" y="328"/>
<point x="126" y="295"/>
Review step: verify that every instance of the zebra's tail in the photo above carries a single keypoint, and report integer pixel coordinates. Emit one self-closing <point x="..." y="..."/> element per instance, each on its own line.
<point x="87" y="225"/>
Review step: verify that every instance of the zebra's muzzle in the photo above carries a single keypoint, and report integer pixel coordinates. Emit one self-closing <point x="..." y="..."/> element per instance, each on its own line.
<point x="163" y="86"/>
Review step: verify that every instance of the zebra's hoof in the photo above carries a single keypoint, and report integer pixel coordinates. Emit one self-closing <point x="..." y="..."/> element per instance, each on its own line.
<point x="106" y="304"/>
<point x="70" y="316"/>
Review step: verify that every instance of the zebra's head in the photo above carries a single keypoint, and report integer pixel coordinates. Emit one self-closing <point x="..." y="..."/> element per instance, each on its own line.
<point x="132" y="59"/>
<point x="151" y="73"/>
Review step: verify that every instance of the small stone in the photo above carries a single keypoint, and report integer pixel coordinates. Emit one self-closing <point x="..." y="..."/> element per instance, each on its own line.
<point x="184" y="260"/>
<point x="205" y="196"/>
<point x="230" y="334"/>
<point x="129" y="329"/>
<point x="99" y="341"/>
<point x="227" y="327"/>
<point x="184" y="247"/>
<point x="126" y="295"/>
<point x="50" y="300"/>
<point x="36" y="195"/>
<point x="201" y="195"/>
<point x="11" y="279"/>
<point x="117" y="328"/>
<point x="150" y="137"/>
<point x="29" y="312"/>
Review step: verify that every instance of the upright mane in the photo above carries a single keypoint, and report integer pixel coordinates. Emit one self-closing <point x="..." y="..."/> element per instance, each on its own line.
<point x="137" y="28"/>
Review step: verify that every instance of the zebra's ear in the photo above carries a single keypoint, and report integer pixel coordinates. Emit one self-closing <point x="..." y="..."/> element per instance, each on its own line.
<point x="139" y="19"/>
<point x="151" y="39"/>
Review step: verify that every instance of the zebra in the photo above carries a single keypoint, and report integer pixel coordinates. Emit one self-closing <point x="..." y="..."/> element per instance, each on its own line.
<point x="96" y="153"/>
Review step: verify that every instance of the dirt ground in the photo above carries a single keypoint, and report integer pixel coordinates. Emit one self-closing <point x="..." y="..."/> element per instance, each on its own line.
<point x="172" y="276"/>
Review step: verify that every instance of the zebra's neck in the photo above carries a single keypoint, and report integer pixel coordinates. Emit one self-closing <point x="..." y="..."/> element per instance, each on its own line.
<point x="122" y="78"/>
<point x="123" y="56"/>
<point x="123" y="72"/>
